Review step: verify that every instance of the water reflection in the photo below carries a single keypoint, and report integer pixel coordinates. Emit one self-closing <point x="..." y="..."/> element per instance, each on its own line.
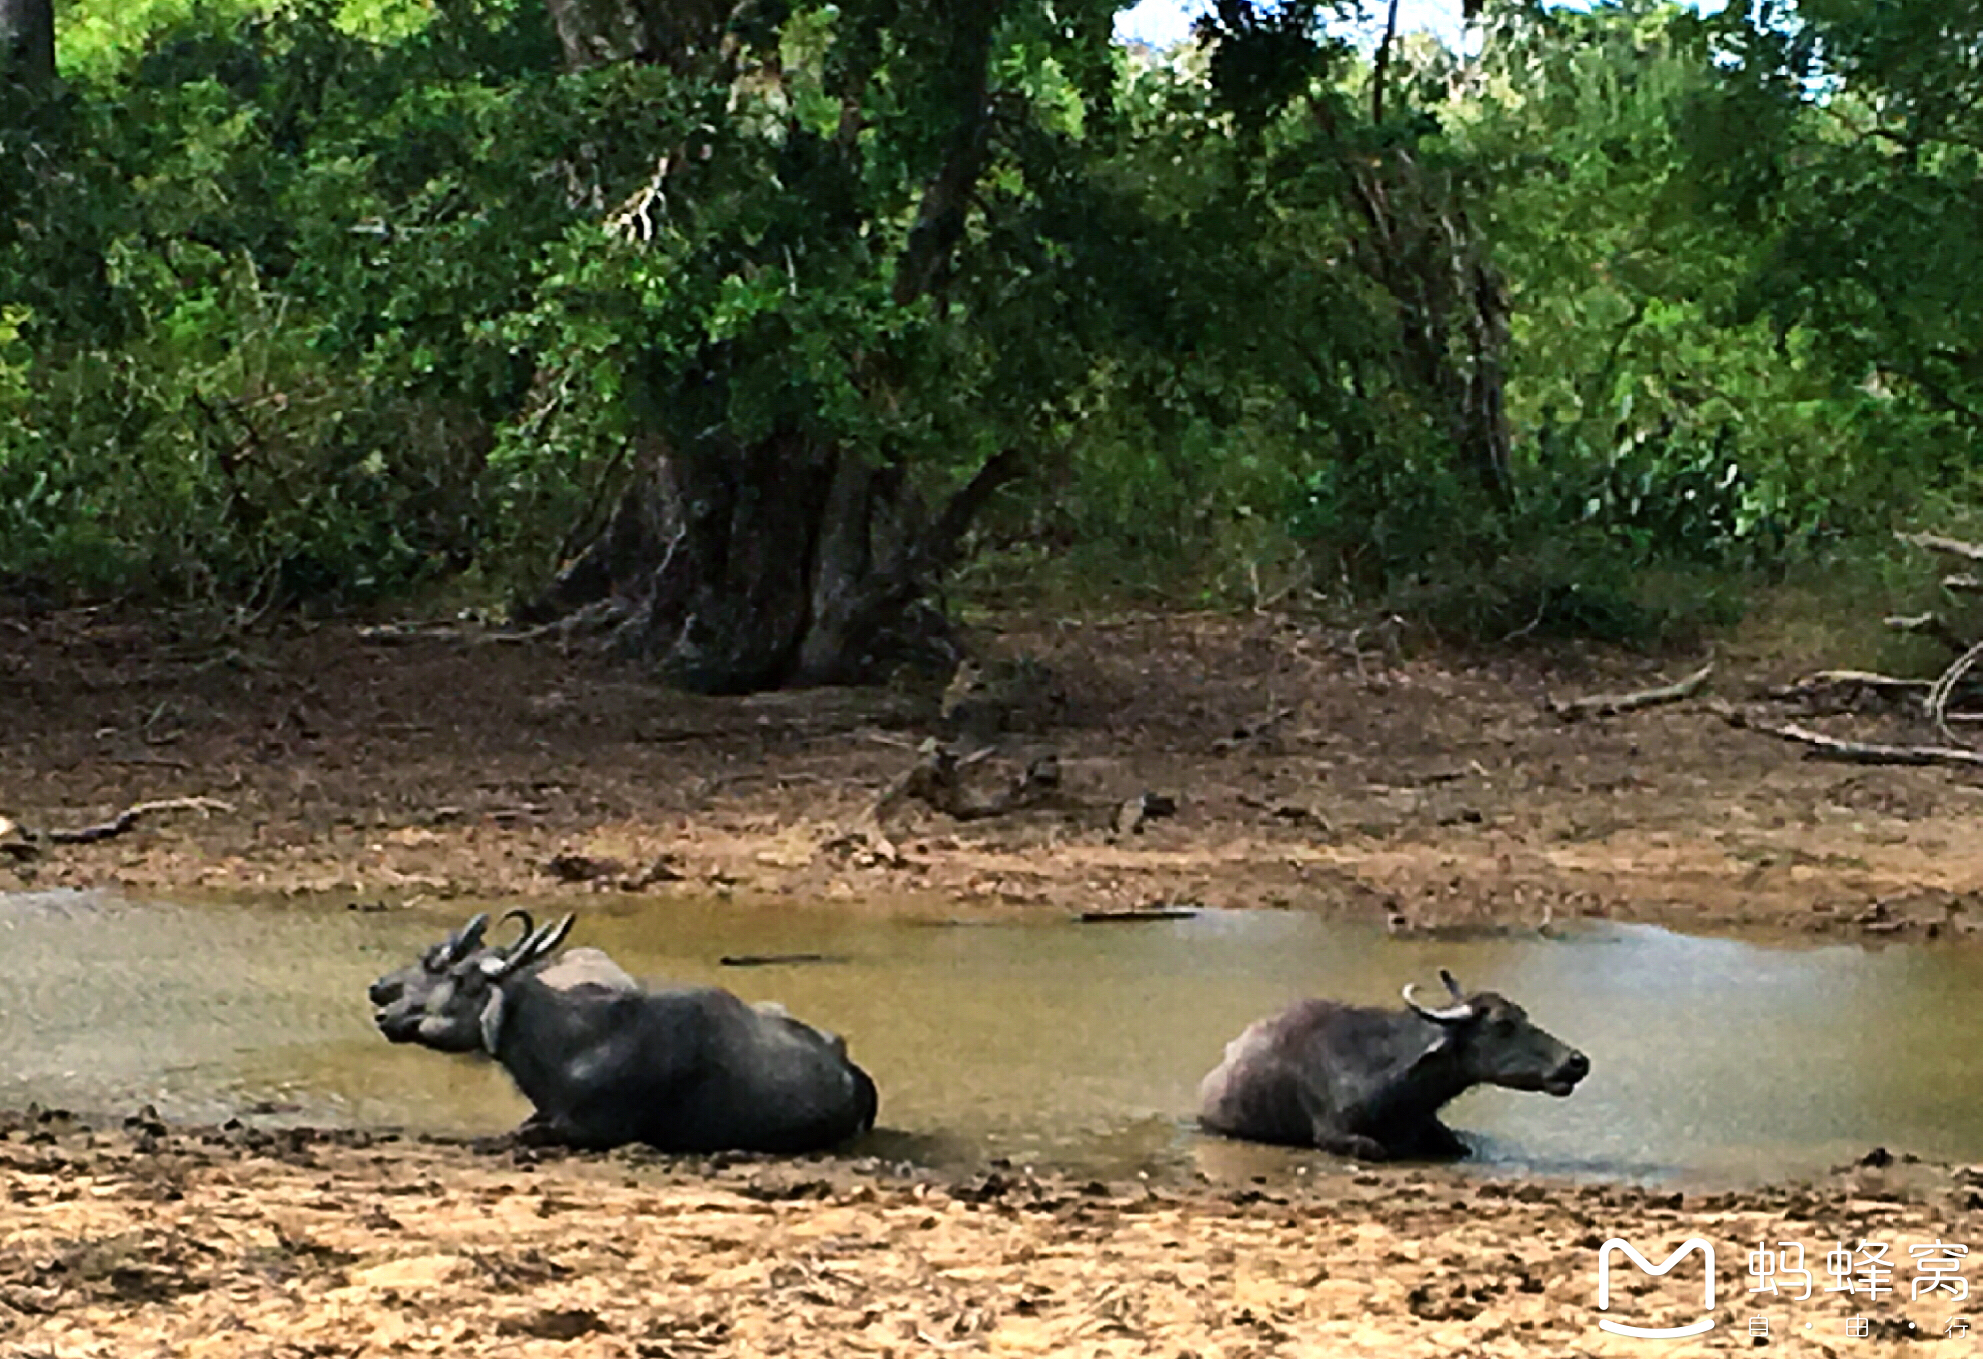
<point x="1046" y="1042"/>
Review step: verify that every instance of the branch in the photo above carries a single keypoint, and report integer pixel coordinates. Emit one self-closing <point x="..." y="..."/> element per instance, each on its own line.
<point x="936" y="780"/>
<point x="938" y="549"/>
<point x="30" y="841"/>
<point x="1814" y="684"/>
<point x="1938" y="697"/>
<point x="1383" y="65"/>
<point x="940" y="218"/>
<point x="1608" y="705"/>
<point x="1823" y="747"/>
<point x="1935" y="542"/>
<point x="1930" y="625"/>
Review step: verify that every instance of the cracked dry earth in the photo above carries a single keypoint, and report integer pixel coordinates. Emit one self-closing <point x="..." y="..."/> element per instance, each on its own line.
<point x="151" y="1240"/>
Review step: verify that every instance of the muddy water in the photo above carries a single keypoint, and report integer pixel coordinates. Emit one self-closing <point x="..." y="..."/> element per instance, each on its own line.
<point x="1047" y="1042"/>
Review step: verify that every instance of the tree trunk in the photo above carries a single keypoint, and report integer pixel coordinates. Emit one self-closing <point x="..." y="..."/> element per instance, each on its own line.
<point x="781" y="563"/>
<point x="27" y="44"/>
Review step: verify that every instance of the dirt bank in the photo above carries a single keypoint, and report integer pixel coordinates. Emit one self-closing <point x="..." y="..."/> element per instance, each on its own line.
<point x="155" y="1240"/>
<point x="1307" y="772"/>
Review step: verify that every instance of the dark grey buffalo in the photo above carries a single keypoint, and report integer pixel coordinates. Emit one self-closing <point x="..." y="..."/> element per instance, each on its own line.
<point x="690" y="1070"/>
<point x="1369" y="1083"/>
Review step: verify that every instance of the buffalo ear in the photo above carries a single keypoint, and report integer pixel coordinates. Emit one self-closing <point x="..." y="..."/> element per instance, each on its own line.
<point x="491" y="1022"/>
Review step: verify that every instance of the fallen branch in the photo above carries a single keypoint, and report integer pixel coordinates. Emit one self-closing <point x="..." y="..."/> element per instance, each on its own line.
<point x="1952" y="547"/>
<point x="1136" y="914"/>
<point x="1822" y="747"/>
<point x="1608" y="705"/>
<point x="1931" y="625"/>
<point x="1963" y="583"/>
<point x="1826" y="681"/>
<point x="27" y="842"/>
<point x="126" y="819"/>
<point x="1938" y="697"/>
<point x="936" y="779"/>
<point x="775" y="959"/>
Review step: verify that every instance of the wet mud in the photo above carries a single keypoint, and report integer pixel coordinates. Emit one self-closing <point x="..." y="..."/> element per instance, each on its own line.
<point x="151" y="1239"/>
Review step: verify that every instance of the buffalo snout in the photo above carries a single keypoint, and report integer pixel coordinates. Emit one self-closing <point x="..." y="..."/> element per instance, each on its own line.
<point x="1564" y="1078"/>
<point x="399" y="1023"/>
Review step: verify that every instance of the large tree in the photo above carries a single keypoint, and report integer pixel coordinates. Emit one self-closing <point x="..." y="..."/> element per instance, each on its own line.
<point x="804" y="466"/>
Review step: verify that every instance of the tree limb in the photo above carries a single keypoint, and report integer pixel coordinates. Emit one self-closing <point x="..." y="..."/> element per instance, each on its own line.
<point x="1938" y="697"/>
<point x="1935" y="542"/>
<point x="1931" y="625"/>
<point x="31" y="840"/>
<point x="1609" y="705"/>
<point x="940" y="219"/>
<point x="1848" y="679"/>
<point x="1822" y="747"/>
<point x="1382" y="65"/>
<point x="938" y="549"/>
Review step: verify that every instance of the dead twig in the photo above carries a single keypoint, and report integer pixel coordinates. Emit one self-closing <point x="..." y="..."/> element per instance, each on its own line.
<point x="1823" y="682"/>
<point x="1930" y="625"/>
<point x="1609" y="705"/>
<point x="1938" y="697"/>
<point x="29" y="841"/>
<point x="1822" y="747"/>
<point x="1950" y="547"/>
<point x="126" y="819"/>
<point x="936" y="779"/>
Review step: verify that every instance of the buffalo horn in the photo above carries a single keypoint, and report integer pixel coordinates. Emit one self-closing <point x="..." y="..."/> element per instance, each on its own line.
<point x="529" y="925"/>
<point x="468" y="936"/>
<point x="533" y="947"/>
<point x="1451" y="1014"/>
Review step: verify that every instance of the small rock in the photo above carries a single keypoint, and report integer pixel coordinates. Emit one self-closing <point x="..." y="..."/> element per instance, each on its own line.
<point x="564" y="1324"/>
<point x="582" y="867"/>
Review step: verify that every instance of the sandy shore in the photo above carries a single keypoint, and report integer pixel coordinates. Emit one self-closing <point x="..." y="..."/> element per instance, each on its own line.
<point x="203" y="1242"/>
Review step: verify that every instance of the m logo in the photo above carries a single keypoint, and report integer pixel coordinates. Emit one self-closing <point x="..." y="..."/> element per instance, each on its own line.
<point x="1692" y="1243"/>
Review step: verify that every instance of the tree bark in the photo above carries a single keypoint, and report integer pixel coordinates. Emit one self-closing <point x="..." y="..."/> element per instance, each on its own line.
<point x="781" y="563"/>
<point x="27" y="44"/>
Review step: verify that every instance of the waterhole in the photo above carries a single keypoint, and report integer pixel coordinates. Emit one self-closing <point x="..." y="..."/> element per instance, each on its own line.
<point x="1045" y="1041"/>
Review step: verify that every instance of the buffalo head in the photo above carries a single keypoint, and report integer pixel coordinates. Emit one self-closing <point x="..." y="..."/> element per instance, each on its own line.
<point x="1494" y="1043"/>
<point x="432" y="965"/>
<point x="411" y="986"/>
<point x="459" y="1007"/>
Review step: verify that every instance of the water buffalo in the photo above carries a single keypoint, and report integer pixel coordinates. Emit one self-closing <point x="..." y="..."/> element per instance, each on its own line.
<point x="415" y="982"/>
<point x="1369" y="1083"/>
<point x="689" y="1070"/>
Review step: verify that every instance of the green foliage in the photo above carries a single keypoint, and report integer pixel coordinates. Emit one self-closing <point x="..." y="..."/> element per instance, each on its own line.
<point x="331" y="298"/>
